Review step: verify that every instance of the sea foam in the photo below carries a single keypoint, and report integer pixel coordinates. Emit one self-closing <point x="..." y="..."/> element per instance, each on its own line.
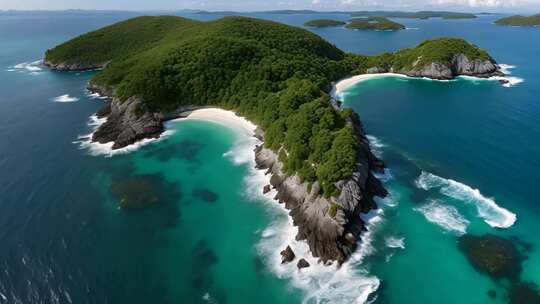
<point x="65" y="98"/>
<point x="447" y="217"/>
<point x="394" y="242"/>
<point x="350" y="283"/>
<point x="34" y="67"/>
<point x="487" y="208"/>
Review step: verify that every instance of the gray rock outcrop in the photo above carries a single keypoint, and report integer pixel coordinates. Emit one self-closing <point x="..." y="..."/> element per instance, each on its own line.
<point x="458" y="65"/>
<point x="63" y="66"/>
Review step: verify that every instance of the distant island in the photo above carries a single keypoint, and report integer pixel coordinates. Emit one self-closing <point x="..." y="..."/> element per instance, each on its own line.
<point x="324" y="23"/>
<point x="374" y="23"/>
<point x="368" y="23"/>
<point x="414" y="15"/>
<point x="533" y="20"/>
<point x="277" y="76"/>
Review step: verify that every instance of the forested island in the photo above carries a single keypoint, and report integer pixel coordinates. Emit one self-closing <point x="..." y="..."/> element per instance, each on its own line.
<point x="374" y="23"/>
<point x="518" y="20"/>
<point x="414" y="15"/>
<point x="278" y="76"/>
<point x="324" y="23"/>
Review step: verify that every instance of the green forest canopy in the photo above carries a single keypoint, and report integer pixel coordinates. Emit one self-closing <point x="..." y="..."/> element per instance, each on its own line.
<point x="374" y="23"/>
<point x="275" y="75"/>
<point x="520" y="20"/>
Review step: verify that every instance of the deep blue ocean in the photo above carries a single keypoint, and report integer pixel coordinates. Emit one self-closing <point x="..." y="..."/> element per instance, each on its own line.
<point x="462" y="156"/>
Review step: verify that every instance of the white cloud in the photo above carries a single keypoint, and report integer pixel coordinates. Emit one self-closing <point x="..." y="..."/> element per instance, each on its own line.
<point x="485" y="3"/>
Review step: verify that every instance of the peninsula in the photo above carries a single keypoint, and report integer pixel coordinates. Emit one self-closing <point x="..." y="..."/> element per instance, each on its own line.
<point x="277" y="76"/>
<point x="518" y="20"/>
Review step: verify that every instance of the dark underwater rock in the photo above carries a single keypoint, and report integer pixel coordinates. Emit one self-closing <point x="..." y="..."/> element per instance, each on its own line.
<point x="287" y="255"/>
<point x="205" y="195"/>
<point x="492" y="293"/>
<point x="494" y="255"/>
<point x="141" y="191"/>
<point x="302" y="263"/>
<point x="524" y="293"/>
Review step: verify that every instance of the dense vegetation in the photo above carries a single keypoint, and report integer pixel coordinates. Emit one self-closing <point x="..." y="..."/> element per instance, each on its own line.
<point x="324" y="23"/>
<point x="374" y="23"/>
<point x="275" y="75"/>
<point x="520" y="20"/>
<point x="414" y="15"/>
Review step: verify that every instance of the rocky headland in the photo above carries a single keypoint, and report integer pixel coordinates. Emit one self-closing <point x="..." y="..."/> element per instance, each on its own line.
<point x="459" y="65"/>
<point x="330" y="225"/>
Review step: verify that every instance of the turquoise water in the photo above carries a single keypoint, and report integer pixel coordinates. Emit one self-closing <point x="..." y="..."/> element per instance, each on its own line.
<point x="210" y="236"/>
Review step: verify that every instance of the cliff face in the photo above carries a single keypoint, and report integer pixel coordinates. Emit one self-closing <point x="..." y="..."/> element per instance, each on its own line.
<point x="127" y="122"/>
<point x="458" y="65"/>
<point x="330" y="226"/>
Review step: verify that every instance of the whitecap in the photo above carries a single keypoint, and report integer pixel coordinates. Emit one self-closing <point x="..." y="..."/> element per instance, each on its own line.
<point x="445" y="216"/>
<point x="95" y="95"/>
<point x="65" y="98"/>
<point x="376" y="145"/>
<point x="95" y="148"/>
<point x="394" y="242"/>
<point x="487" y="208"/>
<point x="505" y="68"/>
<point x="33" y="67"/>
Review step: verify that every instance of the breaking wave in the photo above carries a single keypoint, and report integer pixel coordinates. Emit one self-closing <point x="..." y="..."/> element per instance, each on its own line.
<point x="487" y="208"/>
<point x="34" y="67"/>
<point x="447" y="217"/>
<point x="65" y="98"/>
<point x="394" y="242"/>
<point x="508" y="81"/>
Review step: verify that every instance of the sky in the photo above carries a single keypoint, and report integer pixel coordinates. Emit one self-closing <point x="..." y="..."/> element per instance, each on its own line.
<point x="530" y="6"/>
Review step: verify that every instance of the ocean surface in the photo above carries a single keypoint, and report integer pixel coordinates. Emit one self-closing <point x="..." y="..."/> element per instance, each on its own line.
<point x="462" y="156"/>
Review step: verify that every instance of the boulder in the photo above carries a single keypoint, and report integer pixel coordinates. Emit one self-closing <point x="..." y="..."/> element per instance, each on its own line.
<point x="266" y="189"/>
<point x="287" y="255"/>
<point x="302" y="263"/>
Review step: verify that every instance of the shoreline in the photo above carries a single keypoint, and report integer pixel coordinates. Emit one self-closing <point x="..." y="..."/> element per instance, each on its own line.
<point x="220" y="116"/>
<point x="341" y="86"/>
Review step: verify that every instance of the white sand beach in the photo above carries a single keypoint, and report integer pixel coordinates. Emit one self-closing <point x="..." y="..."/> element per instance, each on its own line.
<point x="223" y="117"/>
<point x="344" y="84"/>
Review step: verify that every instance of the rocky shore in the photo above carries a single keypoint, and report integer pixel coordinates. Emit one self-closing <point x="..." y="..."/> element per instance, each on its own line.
<point x="330" y="226"/>
<point x="129" y="121"/>
<point x="460" y="65"/>
<point x="73" y="67"/>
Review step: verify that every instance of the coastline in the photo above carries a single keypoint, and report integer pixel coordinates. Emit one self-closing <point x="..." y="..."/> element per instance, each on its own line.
<point x="341" y="86"/>
<point x="220" y="116"/>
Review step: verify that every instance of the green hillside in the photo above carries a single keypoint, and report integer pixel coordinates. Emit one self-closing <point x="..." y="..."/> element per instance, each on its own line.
<point x="520" y="20"/>
<point x="375" y="23"/>
<point x="275" y="75"/>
